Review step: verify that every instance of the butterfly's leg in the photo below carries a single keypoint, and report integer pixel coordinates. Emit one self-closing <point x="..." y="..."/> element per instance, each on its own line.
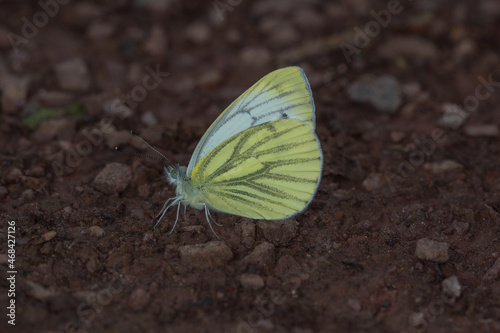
<point x="165" y="205"/>
<point x="164" y="209"/>
<point x="177" y="218"/>
<point x="207" y="214"/>
<point x="213" y="220"/>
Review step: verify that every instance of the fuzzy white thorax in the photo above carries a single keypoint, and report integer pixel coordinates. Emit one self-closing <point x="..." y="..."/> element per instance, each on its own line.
<point x="185" y="192"/>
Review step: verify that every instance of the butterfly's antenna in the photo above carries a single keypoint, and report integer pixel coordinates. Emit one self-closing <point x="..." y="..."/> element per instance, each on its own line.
<point x="158" y="179"/>
<point x="147" y="144"/>
<point x="139" y="154"/>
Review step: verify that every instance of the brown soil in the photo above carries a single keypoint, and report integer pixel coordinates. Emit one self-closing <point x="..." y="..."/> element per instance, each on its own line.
<point x="86" y="255"/>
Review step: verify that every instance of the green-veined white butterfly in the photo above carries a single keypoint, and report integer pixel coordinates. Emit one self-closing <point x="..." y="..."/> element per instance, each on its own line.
<point x="260" y="159"/>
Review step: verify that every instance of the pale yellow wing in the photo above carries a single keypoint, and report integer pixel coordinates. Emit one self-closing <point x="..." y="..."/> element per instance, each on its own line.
<point x="282" y="94"/>
<point x="269" y="171"/>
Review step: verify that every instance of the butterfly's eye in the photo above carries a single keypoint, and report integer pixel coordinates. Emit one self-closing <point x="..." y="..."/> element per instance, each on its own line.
<point x="173" y="171"/>
<point x="284" y="115"/>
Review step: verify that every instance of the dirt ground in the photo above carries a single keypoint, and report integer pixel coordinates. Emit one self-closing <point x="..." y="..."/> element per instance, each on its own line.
<point x="402" y="235"/>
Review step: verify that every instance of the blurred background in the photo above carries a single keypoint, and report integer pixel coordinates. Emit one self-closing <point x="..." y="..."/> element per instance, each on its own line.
<point x="401" y="237"/>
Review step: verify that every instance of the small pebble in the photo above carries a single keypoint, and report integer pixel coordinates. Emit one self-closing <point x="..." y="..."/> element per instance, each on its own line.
<point x="354" y="304"/>
<point x="443" y="166"/>
<point x="382" y="93"/>
<point x="37" y="172"/>
<point x="278" y="232"/>
<point x="461" y="227"/>
<point x="248" y="242"/>
<point x="13" y="176"/>
<point x="411" y="90"/>
<point x="417" y="320"/>
<point x="114" y="178"/>
<point x="453" y="116"/>
<point x="255" y="56"/>
<point x="416" y="49"/>
<point x="66" y="212"/>
<point x="287" y="268"/>
<point x="148" y="235"/>
<point x="27" y="196"/>
<point x="46" y="248"/>
<point x="208" y="255"/>
<point x="47" y="236"/>
<point x="198" y="33"/>
<point x="251" y="281"/>
<point x="84" y="295"/>
<point x="139" y="299"/>
<point x="428" y="249"/>
<point x="92" y="264"/>
<point x="261" y="257"/>
<point x="156" y="44"/>
<point x="96" y="231"/>
<point x="247" y="228"/>
<point x="4" y="258"/>
<point x="463" y="50"/>
<point x="374" y="181"/>
<point x="148" y="118"/>
<point x="397" y="136"/>
<point x="61" y="129"/>
<point x="14" y="92"/>
<point x="451" y="287"/>
<point x="100" y="30"/>
<point x="117" y="138"/>
<point x="490" y="130"/>
<point x="144" y="190"/>
<point x="73" y="75"/>
<point x="39" y="292"/>
<point x="210" y="79"/>
<point x="119" y="107"/>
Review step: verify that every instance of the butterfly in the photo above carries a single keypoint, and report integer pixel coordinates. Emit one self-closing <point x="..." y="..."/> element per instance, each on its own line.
<point x="260" y="159"/>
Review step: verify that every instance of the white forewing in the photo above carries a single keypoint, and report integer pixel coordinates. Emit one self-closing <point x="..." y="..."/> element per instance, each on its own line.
<point x="282" y="94"/>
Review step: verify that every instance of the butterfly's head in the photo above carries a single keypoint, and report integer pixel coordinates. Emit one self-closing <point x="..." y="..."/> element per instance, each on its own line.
<point x="175" y="173"/>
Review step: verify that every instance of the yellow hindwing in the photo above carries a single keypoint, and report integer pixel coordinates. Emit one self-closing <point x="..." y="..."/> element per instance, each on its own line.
<point x="269" y="171"/>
